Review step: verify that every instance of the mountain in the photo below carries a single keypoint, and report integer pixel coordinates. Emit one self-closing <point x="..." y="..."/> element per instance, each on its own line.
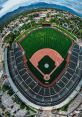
<point x="20" y="10"/>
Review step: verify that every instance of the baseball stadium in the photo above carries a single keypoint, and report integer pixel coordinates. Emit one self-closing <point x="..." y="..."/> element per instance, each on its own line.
<point x="44" y="67"/>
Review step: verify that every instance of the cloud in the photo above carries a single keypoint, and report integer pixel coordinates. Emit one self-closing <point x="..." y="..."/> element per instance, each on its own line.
<point x="11" y="5"/>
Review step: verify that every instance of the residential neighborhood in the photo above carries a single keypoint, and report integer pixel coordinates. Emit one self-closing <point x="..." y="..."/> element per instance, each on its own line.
<point x="10" y="103"/>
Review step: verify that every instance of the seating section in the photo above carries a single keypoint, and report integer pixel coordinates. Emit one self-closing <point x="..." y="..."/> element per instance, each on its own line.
<point x="36" y="93"/>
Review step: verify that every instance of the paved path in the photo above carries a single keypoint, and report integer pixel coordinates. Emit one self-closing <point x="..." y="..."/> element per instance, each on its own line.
<point x="75" y="103"/>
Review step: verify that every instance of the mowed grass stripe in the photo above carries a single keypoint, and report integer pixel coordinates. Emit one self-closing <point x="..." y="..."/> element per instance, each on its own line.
<point x="46" y="38"/>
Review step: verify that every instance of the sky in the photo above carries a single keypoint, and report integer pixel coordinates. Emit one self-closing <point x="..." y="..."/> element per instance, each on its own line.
<point x="11" y="5"/>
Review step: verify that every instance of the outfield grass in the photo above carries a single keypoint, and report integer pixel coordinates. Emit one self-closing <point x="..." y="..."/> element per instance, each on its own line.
<point x="70" y="34"/>
<point x="46" y="38"/>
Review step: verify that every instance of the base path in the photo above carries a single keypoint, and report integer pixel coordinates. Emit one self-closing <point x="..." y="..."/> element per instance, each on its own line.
<point x="54" y="55"/>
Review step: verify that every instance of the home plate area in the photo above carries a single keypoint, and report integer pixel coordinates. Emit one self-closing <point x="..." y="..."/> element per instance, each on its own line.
<point x="46" y="61"/>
